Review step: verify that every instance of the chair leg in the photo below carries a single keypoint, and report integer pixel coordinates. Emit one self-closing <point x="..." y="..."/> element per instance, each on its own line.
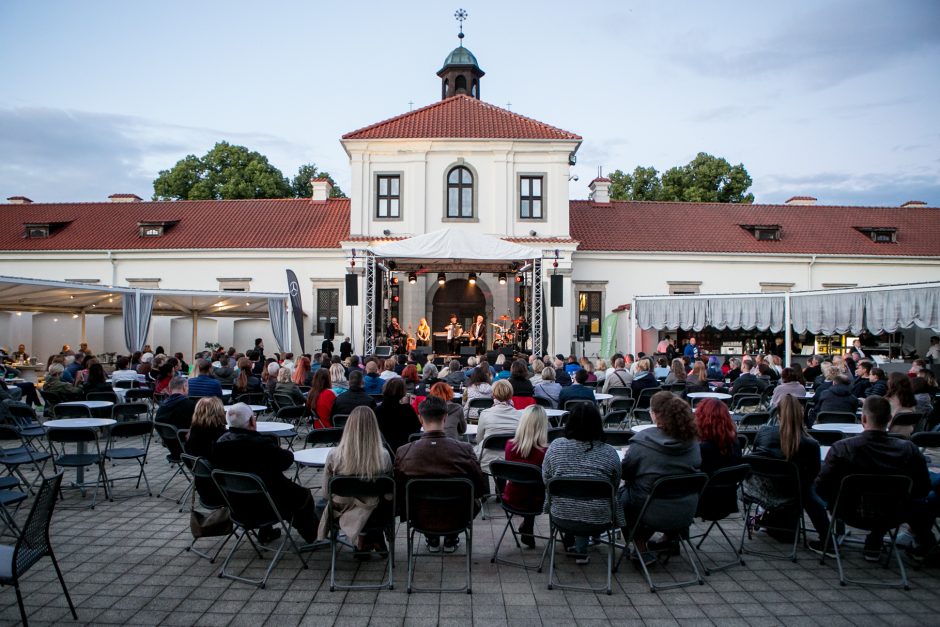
<point x="19" y="601"/>
<point x="58" y="572"/>
<point x="410" y="534"/>
<point x="468" y="533"/>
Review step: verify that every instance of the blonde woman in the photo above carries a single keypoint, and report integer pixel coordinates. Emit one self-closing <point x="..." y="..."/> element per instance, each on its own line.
<point x="338" y="378"/>
<point x="500" y="419"/>
<point x="287" y="388"/>
<point x="360" y="454"/>
<point x="208" y="426"/>
<point x="528" y="447"/>
<point x="423" y="332"/>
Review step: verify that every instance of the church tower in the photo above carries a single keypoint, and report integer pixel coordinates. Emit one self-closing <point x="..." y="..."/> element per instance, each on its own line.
<point x="461" y="73"/>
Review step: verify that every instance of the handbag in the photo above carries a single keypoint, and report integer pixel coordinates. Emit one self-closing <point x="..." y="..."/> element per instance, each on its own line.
<point x="218" y="522"/>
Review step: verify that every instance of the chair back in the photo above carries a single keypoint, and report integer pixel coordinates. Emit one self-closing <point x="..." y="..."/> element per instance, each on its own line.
<point x="251" y="398"/>
<point x="131" y="429"/>
<point x="754" y="420"/>
<point x="618" y="437"/>
<point x="206" y="489"/>
<point x="675" y="388"/>
<point x="33" y="542"/>
<point x="282" y="401"/>
<point x="543" y="402"/>
<point x="643" y="400"/>
<point x="339" y="420"/>
<point x="625" y="403"/>
<point x="21" y="416"/>
<point x="743" y="442"/>
<point x="440" y="506"/>
<point x="102" y="396"/>
<point x="356" y="487"/>
<point x="614" y="418"/>
<point x="642" y="416"/>
<point x="9" y="433"/>
<point x="905" y="422"/>
<point x="72" y="435"/>
<point x="324" y="437"/>
<point x="926" y="439"/>
<point x="129" y="411"/>
<point x="519" y="473"/>
<point x="829" y="417"/>
<point x="292" y="414"/>
<point x="555" y="433"/>
<point x="125" y="384"/>
<point x="826" y="438"/>
<point x="672" y="502"/>
<point x="584" y="489"/>
<point x="620" y="391"/>
<point x="719" y="497"/>
<point x="496" y="442"/>
<point x="743" y="399"/>
<point x="480" y="403"/>
<point x="778" y="480"/>
<point x="873" y="501"/>
<point x="250" y="505"/>
<point x="570" y="405"/>
<point x="71" y="411"/>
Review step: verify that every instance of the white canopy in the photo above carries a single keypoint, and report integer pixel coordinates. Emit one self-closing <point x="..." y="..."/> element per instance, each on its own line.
<point x="457" y="246"/>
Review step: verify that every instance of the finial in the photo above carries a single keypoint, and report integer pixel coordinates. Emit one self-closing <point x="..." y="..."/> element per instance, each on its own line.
<point x="460" y="16"/>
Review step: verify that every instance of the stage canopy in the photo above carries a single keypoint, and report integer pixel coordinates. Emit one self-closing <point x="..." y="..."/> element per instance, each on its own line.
<point x="454" y="249"/>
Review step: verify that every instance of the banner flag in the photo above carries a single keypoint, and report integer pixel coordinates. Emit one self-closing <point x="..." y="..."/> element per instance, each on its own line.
<point x="609" y="336"/>
<point x="293" y="287"/>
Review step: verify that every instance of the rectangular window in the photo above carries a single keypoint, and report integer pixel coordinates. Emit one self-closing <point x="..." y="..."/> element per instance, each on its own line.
<point x="530" y="197"/>
<point x="684" y="287"/>
<point x="234" y="284"/>
<point x="388" y="196"/>
<point x="327" y="308"/>
<point x="589" y="310"/>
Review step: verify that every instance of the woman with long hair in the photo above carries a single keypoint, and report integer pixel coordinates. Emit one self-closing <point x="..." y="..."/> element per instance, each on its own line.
<point x="360" y="454"/>
<point x="245" y="382"/>
<point x="208" y="426"/>
<point x="320" y="398"/>
<point x="899" y="394"/>
<point x="96" y="380"/>
<point x="528" y="447"/>
<point x="423" y="333"/>
<point x="455" y="425"/>
<point x="165" y="374"/>
<point x="302" y="374"/>
<point x="519" y="379"/>
<point x="410" y="374"/>
<point x="719" y="447"/>
<point x="397" y="419"/>
<point x="676" y="372"/>
<point x="478" y="386"/>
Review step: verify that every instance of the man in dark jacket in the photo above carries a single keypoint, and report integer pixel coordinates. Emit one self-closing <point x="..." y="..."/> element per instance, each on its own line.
<point x="352" y="397"/>
<point x="876" y="452"/>
<point x="813" y="369"/>
<point x="577" y="391"/>
<point x="437" y="456"/>
<point x="176" y="410"/>
<point x="862" y="379"/>
<point x="243" y="449"/>
<point x="748" y="380"/>
<point x="879" y="383"/>
<point x="838" y="397"/>
<point x="202" y="384"/>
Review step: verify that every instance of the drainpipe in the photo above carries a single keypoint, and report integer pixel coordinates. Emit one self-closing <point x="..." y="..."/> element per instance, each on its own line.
<point x="113" y="263"/>
<point x="812" y="262"/>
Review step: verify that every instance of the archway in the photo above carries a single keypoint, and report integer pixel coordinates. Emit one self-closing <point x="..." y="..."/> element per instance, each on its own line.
<point x="458" y="297"/>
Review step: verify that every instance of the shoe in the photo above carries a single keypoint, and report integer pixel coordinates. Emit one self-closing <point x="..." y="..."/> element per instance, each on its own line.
<point x="816" y="546"/>
<point x="380" y="547"/>
<point x="583" y="560"/>
<point x="450" y="544"/>
<point x="434" y="544"/>
<point x="527" y="539"/>
<point x="267" y="535"/>
<point x="919" y="553"/>
<point x="649" y="558"/>
<point x="872" y="550"/>
<point x="670" y="547"/>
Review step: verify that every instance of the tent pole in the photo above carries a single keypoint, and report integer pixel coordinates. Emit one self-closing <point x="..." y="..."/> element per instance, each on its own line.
<point x="633" y="328"/>
<point x="84" y="337"/>
<point x="787" y="330"/>
<point x="195" y="329"/>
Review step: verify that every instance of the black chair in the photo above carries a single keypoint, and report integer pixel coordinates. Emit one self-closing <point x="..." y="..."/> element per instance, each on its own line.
<point x="339" y="420"/>
<point x="209" y="498"/>
<point x="479" y="404"/>
<point x="119" y="449"/>
<point x="172" y="439"/>
<point x="33" y="544"/>
<point x="63" y="411"/>
<point x="124" y="384"/>
<point x="643" y="400"/>
<point x="570" y="405"/>
<point x="906" y="423"/>
<point x="130" y="411"/>
<point x="323" y="437"/>
<point x="138" y="394"/>
<point x="620" y="392"/>
<point x="281" y="401"/>
<point x="826" y="438"/>
<point x="829" y="417"/>
<point x="740" y="400"/>
<point x="743" y="442"/>
<point x="110" y="397"/>
<point x="774" y="484"/>
<point x="618" y="437"/>
<point x="382" y="519"/>
<point x="616" y="419"/>
<point x="528" y="476"/>
<point x="870" y="502"/>
<point x="590" y="384"/>
<point x="580" y="489"/>
<point x="718" y="501"/>
<point x="670" y="508"/>
<point x="251" y="507"/>
<point x="555" y="433"/>
<point x="642" y="417"/>
<point x="25" y="421"/>
<point x="497" y="443"/>
<point x="543" y="402"/>
<point x="251" y="398"/>
<point x="676" y="388"/>
<point x="292" y="414"/>
<point x="81" y="458"/>
<point x="16" y="451"/>
<point x="753" y="421"/>
<point x="620" y="403"/>
<point x="926" y="439"/>
<point x="439" y="507"/>
<point x="10" y="496"/>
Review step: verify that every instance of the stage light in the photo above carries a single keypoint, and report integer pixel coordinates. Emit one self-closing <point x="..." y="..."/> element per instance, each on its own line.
<point x="518" y="278"/>
<point x="394" y="280"/>
<point x="441" y="278"/>
<point x="472" y="278"/>
<point x="502" y="278"/>
<point x="412" y="278"/>
<point x="518" y="299"/>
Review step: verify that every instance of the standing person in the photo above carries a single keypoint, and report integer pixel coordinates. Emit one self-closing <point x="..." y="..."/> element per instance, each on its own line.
<point x="396" y="417"/>
<point x="345" y="349"/>
<point x="258" y="360"/>
<point x="478" y="335"/>
<point x="528" y="447"/>
<point x="326" y="348"/>
<point x="453" y="334"/>
<point x="933" y="351"/>
<point x="359" y="454"/>
<point x="691" y="349"/>
<point x="423" y="333"/>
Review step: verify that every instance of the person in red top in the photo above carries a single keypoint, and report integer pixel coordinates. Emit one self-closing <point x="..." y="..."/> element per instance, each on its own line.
<point x="320" y="399"/>
<point x="528" y="447"/>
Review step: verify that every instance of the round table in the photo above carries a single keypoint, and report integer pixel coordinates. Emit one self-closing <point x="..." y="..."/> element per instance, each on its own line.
<point x="80" y="423"/>
<point x="258" y="408"/>
<point x="555" y="413"/>
<point x="721" y="396"/>
<point x="315" y="457"/>
<point x="843" y="427"/>
<point x="600" y="396"/>
<point x="272" y="427"/>
<point x="638" y="428"/>
<point x="458" y="395"/>
<point x="88" y="404"/>
<point x="226" y="392"/>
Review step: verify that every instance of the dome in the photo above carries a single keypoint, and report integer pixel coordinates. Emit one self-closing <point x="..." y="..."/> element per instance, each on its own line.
<point x="460" y="56"/>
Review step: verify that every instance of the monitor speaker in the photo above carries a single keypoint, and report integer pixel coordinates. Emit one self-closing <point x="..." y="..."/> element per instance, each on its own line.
<point x="468" y="350"/>
<point x="329" y="331"/>
<point x="557" y="297"/>
<point x="584" y="333"/>
<point x="383" y="351"/>
<point x="352" y="290"/>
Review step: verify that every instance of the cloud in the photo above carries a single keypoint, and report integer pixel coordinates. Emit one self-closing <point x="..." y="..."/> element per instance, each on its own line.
<point x="728" y="112"/>
<point x="54" y="155"/>
<point x="842" y="188"/>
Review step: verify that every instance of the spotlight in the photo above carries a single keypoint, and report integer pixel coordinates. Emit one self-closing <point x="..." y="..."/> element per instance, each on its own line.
<point x="441" y="278"/>
<point x="394" y="280"/>
<point x="518" y="299"/>
<point x="502" y="278"/>
<point x="518" y="278"/>
<point x="472" y="278"/>
<point x="412" y="278"/>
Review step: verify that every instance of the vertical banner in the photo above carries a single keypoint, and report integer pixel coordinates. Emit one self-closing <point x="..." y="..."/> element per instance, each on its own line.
<point x="609" y="336"/>
<point x="293" y="288"/>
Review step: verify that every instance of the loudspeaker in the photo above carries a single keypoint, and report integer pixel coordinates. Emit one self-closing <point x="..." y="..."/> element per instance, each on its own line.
<point x="352" y="290"/>
<point x="383" y="351"/>
<point x="508" y="351"/>
<point x="558" y="297"/>
<point x="329" y="331"/>
<point x="584" y="333"/>
<point x="468" y="350"/>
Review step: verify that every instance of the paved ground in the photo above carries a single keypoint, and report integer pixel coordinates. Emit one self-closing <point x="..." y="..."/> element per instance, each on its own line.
<point x="125" y="563"/>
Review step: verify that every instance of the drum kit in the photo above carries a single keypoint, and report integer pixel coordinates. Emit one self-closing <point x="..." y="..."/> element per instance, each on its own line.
<point x="507" y="334"/>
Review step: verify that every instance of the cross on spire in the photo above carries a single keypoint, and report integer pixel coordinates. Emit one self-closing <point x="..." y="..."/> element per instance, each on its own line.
<point x="460" y="15"/>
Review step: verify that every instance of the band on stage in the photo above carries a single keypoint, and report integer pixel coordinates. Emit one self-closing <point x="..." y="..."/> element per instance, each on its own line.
<point x="507" y="334"/>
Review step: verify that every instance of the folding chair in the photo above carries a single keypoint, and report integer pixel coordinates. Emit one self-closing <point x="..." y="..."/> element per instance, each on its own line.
<point x="439" y="507"/>
<point x="251" y="507"/>
<point x="33" y="544"/>
<point x="826" y="438"/>
<point x="829" y="417"/>
<point x="670" y="507"/>
<point x="643" y="400"/>
<point x="18" y="453"/>
<point x="130" y="412"/>
<point x="209" y="498"/>
<point x="642" y="417"/>
<point x="354" y="487"/>
<point x="620" y="392"/>
<point x="477" y="405"/>
<point x="555" y="433"/>
<point x="616" y="419"/>
<point x="524" y="475"/>
<point x="620" y="403"/>
<point x="906" y="423"/>
<point x="120" y="433"/>
<point x="10" y="496"/>
<point x="111" y="397"/>
<point x="870" y="502"/>
<point x="339" y="420"/>
<point x="282" y="401"/>
<point x="543" y="402"/>
<point x="740" y="400"/>
<point x="580" y="489"/>
<point x="776" y="485"/>
<point x="62" y="411"/>
<point x="293" y="414"/>
<point x="170" y="436"/>
<point x="498" y="443"/>
<point x="25" y="421"/>
<point x="570" y="405"/>
<point x="81" y="437"/>
<point x="751" y="423"/>
<point x="718" y="501"/>
<point x="618" y="437"/>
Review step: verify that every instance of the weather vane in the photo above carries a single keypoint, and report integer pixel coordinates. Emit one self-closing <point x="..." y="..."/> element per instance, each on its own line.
<point x="460" y="16"/>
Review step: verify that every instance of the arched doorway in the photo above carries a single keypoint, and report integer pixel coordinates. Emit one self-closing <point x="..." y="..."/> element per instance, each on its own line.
<point x="458" y="297"/>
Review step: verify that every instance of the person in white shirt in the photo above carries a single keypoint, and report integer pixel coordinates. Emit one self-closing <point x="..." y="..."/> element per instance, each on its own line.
<point x="501" y="418"/>
<point x="933" y="353"/>
<point x="389" y="372"/>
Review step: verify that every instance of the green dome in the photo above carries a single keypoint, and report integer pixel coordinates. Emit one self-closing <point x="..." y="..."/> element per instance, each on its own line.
<point x="460" y="56"/>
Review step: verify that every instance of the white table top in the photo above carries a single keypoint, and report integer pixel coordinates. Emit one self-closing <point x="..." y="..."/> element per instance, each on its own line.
<point x="94" y="423"/>
<point x="638" y="428"/>
<point x="458" y="395"/>
<point x="603" y="397"/>
<point x="258" y="408"/>
<point x="844" y="427"/>
<point x="823" y="450"/>
<point x="554" y="413"/>
<point x="226" y="392"/>
<point x="88" y="404"/>
<point x="312" y="456"/>
<point x="272" y="427"/>
<point x="471" y="429"/>
<point x="719" y="395"/>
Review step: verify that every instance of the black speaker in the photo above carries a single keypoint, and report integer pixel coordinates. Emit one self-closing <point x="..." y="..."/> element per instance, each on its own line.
<point x="468" y="350"/>
<point x="558" y="297"/>
<point x="352" y="290"/>
<point x="584" y="333"/>
<point x="329" y="331"/>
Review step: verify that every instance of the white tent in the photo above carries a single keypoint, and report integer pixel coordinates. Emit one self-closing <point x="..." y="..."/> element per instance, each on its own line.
<point x="455" y="246"/>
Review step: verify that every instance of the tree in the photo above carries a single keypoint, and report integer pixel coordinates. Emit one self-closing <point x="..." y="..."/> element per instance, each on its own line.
<point x="704" y="179"/>
<point x="300" y="186"/>
<point x="226" y="172"/>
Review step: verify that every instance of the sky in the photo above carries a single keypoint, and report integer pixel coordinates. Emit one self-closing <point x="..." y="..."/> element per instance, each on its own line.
<point x="832" y="99"/>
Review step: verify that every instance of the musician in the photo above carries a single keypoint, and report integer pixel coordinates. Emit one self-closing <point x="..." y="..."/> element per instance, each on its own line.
<point x="424" y="332"/>
<point x="454" y="331"/>
<point x="478" y="335"/>
<point x="395" y="334"/>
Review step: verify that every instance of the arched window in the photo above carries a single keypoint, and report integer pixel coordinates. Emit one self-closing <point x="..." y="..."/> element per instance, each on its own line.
<point x="460" y="193"/>
<point x="444" y="87"/>
<point x="460" y="84"/>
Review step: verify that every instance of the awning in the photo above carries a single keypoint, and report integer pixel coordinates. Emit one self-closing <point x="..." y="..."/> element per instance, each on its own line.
<point x="451" y="248"/>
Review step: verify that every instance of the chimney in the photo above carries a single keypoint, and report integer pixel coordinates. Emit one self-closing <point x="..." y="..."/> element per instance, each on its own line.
<point x="600" y="190"/>
<point x="321" y="189"/>
<point x="800" y="200"/>
<point x="19" y="200"/>
<point x="125" y="198"/>
<point x="913" y="203"/>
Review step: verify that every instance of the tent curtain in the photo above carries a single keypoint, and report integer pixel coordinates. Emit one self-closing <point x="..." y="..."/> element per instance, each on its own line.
<point x="722" y="313"/>
<point x="875" y="311"/>
<point x="277" y="314"/>
<point x="137" y="309"/>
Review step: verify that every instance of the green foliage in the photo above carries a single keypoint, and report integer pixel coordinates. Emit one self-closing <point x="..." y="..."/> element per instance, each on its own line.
<point x="226" y="172"/>
<point x="704" y="179"/>
<point x="300" y="186"/>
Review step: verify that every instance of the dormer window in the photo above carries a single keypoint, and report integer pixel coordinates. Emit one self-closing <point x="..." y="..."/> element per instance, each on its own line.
<point x="879" y="234"/>
<point x="155" y="228"/>
<point x="763" y="232"/>
<point x="40" y="230"/>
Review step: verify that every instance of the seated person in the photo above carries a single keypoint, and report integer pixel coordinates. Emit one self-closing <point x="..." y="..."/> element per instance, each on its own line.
<point x="619" y="377"/>
<point x="719" y="446"/>
<point x="642" y="378"/>
<point x="863" y="379"/>
<point x="203" y="384"/>
<point x="177" y="410"/>
<point x="837" y="397"/>
<point x="355" y="396"/>
<point x="396" y="419"/>
<point x="879" y="383"/>
<point x="208" y="425"/>
<point x="528" y="447"/>
<point x="123" y="371"/>
<point x="547" y="388"/>
<point x="373" y="382"/>
<point x="243" y="449"/>
<point x="577" y="391"/>
<point x="790" y="385"/>
<point x="246" y="382"/>
<point x="456" y="423"/>
<point x="747" y="379"/>
<point x="287" y="389"/>
<point x="519" y="379"/>
<point x="55" y="386"/>
<point x="500" y="419"/>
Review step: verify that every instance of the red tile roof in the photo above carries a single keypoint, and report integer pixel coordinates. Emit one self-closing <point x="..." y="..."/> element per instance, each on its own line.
<point x="461" y="117"/>
<point x="716" y="228"/>
<point x="201" y="224"/>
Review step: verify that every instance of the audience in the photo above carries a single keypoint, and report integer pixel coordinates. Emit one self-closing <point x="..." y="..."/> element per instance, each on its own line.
<point x="899" y="394"/>
<point x="321" y="400"/>
<point x="837" y="397"/>
<point x="396" y="417"/>
<point x="456" y="423"/>
<point x="500" y="419"/>
<point x="56" y="387"/>
<point x="719" y="447"/>
<point x="528" y="447"/>
<point x="202" y="384"/>
<point x="619" y="377"/>
<point x="577" y="391"/>
<point x="642" y="378"/>
<point x="790" y="386"/>
<point x="208" y="425"/>
<point x="246" y="382"/>
<point x="519" y="379"/>
<point x="287" y="389"/>
<point x="547" y="388"/>
<point x="355" y="396"/>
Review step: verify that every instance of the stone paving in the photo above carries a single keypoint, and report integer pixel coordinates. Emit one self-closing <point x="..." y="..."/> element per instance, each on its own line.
<point x="125" y="563"/>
